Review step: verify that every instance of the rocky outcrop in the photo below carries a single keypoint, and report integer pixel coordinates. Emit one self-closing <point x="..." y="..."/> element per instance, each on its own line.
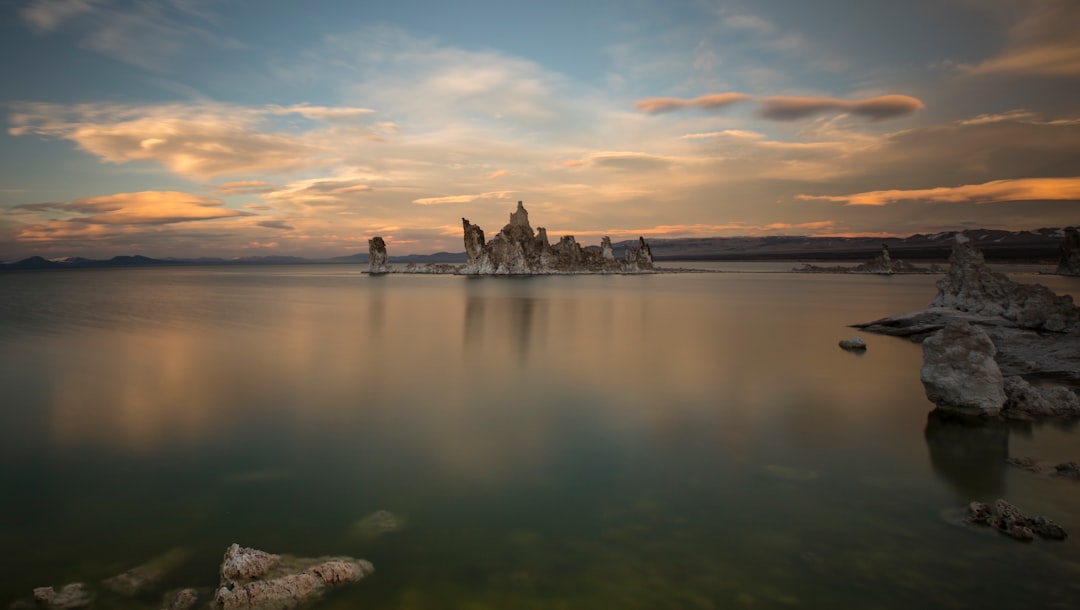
<point x="377" y="262"/>
<point x="518" y="250"/>
<point x="69" y="597"/>
<point x="1065" y="470"/>
<point x="959" y="373"/>
<point x="1069" y="257"/>
<point x="883" y="264"/>
<point x="182" y="599"/>
<point x="970" y="286"/>
<point x="255" y="580"/>
<point x="1008" y="520"/>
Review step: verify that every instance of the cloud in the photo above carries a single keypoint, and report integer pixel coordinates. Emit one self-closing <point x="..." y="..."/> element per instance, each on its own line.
<point x="1044" y="43"/>
<point x="1024" y="189"/>
<point x="245" y="187"/>
<point x="321" y="191"/>
<point x="714" y="101"/>
<point x="322" y="113"/>
<point x="739" y="134"/>
<point x="786" y="108"/>
<point x="463" y="198"/>
<point x="499" y="173"/>
<point x="196" y="140"/>
<point x="148" y="208"/>
<point x="623" y="161"/>
<point x="47" y="15"/>
<point x="275" y="224"/>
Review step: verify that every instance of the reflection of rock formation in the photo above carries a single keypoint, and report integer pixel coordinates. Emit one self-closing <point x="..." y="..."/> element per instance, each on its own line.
<point x="968" y="455"/>
<point x="883" y="264"/>
<point x="517" y="250"/>
<point x="971" y="286"/>
<point x="1069" y="263"/>
<point x="377" y="256"/>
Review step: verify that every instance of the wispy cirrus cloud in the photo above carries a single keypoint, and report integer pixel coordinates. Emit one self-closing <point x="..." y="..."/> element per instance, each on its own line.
<point x="713" y="101"/>
<point x="463" y="198"/>
<point x="1023" y="189"/>
<point x="1044" y="43"/>
<point x="47" y="15"/>
<point x="141" y="208"/>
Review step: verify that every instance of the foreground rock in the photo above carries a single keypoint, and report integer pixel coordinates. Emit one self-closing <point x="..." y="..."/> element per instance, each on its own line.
<point x="959" y="373"/>
<point x="518" y="250"/>
<point x="883" y="264"/>
<point x="1008" y="520"/>
<point x="68" y="597"/>
<point x="1036" y="333"/>
<point x="148" y="575"/>
<point x="377" y="260"/>
<point x="1069" y="258"/>
<point x="256" y="580"/>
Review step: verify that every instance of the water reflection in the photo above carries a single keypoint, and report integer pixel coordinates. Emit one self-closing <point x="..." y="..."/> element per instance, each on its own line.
<point x="969" y="454"/>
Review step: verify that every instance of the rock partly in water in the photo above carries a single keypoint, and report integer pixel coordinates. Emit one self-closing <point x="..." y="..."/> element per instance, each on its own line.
<point x="183" y="599"/>
<point x="970" y="286"/>
<point x="1069" y="258"/>
<point x="883" y="264"/>
<point x="256" y="580"/>
<point x="69" y="597"/>
<point x="146" y="576"/>
<point x="517" y="250"/>
<point x="377" y="259"/>
<point x="1008" y="520"/>
<point x="854" y="344"/>
<point x="959" y="373"/>
<point x="1025" y="401"/>
<point x="378" y="523"/>
<point x="1067" y="470"/>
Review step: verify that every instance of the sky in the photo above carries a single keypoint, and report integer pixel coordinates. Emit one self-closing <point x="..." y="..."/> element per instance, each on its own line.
<point x="240" y="128"/>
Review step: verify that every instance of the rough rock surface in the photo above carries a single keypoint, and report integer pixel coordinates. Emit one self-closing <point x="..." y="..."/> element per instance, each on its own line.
<point x="146" y="576"/>
<point x="377" y="262"/>
<point x="517" y="250"/>
<point x="854" y="344"/>
<point x="256" y="580"/>
<point x="959" y="373"/>
<point x="1008" y="520"/>
<point x="969" y="285"/>
<point x="1025" y="401"/>
<point x="184" y="599"/>
<point x="1069" y="261"/>
<point x="68" y="597"/>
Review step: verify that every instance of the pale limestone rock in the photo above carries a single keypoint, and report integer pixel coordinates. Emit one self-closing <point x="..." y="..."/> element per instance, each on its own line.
<point x="959" y="373"/>
<point x="242" y="563"/>
<point x="377" y="258"/>
<point x="184" y="599"/>
<point x="853" y="344"/>
<point x="606" y="252"/>
<point x="255" y="580"/>
<point x="69" y="597"/>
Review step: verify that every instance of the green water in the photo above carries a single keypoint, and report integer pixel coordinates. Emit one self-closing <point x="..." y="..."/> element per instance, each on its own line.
<point x="672" y="441"/>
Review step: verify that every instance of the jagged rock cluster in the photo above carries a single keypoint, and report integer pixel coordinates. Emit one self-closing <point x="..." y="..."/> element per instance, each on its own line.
<point x="969" y="285"/>
<point x="1067" y="470"/>
<point x="1069" y="261"/>
<point x="377" y="256"/>
<point x="883" y="264"/>
<point x="517" y="250"/>
<point x="1007" y="519"/>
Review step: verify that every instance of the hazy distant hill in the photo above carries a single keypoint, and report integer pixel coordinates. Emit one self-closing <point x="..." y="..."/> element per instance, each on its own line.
<point x="1041" y="244"/>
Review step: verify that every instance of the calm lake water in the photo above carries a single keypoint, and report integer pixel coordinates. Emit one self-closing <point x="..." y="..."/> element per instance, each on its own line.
<point x="669" y="441"/>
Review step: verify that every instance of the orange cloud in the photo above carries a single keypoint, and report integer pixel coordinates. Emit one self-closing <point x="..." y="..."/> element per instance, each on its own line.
<point x="1024" y="189"/>
<point x="245" y="187"/>
<point x="785" y="108"/>
<point x="740" y="134"/>
<point x="1042" y="44"/>
<point x="462" y="198"/>
<point x="499" y="173"/>
<point x="144" y="208"/>
<point x="656" y="105"/>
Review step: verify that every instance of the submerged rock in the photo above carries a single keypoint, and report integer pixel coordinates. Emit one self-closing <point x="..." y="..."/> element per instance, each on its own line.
<point x="69" y="597"/>
<point x="854" y="344"/>
<point x="1067" y="470"/>
<point x="1025" y="401"/>
<point x="256" y="580"/>
<point x="1069" y="259"/>
<point x="378" y="523"/>
<point x="1008" y="520"/>
<point x="377" y="259"/>
<point x="146" y="576"/>
<point x="183" y="599"/>
<point x="959" y="373"/>
<point x="517" y="250"/>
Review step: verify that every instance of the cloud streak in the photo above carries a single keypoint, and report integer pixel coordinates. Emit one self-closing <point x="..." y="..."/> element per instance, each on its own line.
<point x="791" y="108"/>
<point x="713" y="101"/>
<point x="1024" y="189"/>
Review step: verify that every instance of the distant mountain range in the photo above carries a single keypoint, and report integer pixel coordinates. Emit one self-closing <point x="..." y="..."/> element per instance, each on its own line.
<point x="1041" y="244"/>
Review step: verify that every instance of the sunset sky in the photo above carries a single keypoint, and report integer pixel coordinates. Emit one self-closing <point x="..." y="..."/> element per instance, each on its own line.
<point x="247" y="128"/>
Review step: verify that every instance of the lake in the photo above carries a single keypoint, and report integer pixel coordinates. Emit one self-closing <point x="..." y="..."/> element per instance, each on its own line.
<point x="663" y="441"/>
